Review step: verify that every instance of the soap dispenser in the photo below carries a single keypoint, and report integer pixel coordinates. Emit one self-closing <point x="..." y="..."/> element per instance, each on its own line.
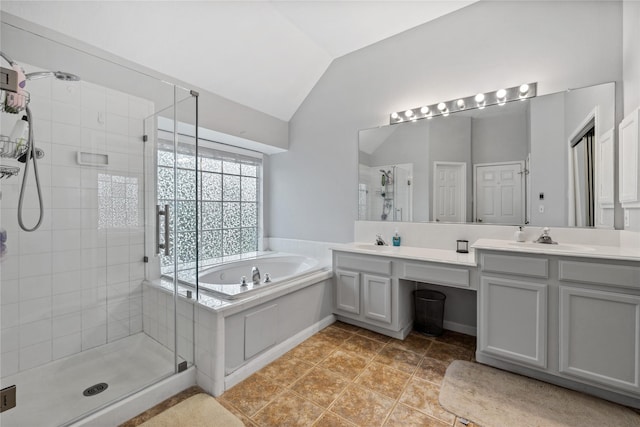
<point x="519" y="235"/>
<point x="396" y="239"/>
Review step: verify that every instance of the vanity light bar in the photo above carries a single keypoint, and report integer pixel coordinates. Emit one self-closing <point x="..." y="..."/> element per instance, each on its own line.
<point x="479" y="101"/>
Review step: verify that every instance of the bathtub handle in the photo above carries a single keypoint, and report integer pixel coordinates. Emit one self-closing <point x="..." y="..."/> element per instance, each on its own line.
<point x="162" y="246"/>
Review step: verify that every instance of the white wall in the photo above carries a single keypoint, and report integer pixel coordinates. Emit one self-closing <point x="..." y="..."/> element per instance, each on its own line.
<point x="76" y="282"/>
<point x="631" y="74"/>
<point x="482" y="47"/>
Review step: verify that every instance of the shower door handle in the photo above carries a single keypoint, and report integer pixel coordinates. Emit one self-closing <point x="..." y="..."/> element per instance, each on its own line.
<point x="162" y="247"/>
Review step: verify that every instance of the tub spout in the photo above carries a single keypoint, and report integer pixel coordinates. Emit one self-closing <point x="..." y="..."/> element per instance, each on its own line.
<point x="267" y="278"/>
<point x="255" y="275"/>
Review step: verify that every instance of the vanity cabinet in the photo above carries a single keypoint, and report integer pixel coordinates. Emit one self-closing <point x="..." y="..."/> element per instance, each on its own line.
<point x="513" y="309"/>
<point x="573" y="321"/>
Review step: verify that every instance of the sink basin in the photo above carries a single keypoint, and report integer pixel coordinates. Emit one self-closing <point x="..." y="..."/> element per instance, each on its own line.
<point x="560" y="247"/>
<point x="372" y="247"/>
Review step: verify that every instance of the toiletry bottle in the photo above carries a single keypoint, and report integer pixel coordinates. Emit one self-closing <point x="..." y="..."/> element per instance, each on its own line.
<point x="396" y="239"/>
<point x="519" y="234"/>
<point x="20" y="133"/>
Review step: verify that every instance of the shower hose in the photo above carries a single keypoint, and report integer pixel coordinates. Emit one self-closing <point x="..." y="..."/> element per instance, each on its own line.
<point x="31" y="155"/>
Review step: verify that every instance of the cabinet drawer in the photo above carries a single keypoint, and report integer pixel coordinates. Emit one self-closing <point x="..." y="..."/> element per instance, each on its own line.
<point x="600" y="274"/>
<point x="437" y="275"/>
<point x="520" y="265"/>
<point x="372" y="264"/>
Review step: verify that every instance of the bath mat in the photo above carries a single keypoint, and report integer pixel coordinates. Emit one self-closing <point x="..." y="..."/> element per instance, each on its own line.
<point x="493" y="398"/>
<point x="200" y="410"/>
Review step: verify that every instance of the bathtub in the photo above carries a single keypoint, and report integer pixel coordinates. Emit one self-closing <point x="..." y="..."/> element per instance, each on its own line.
<point x="224" y="281"/>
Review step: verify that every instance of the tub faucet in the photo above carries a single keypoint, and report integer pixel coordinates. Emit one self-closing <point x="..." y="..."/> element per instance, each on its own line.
<point x="255" y="276"/>
<point x="380" y="241"/>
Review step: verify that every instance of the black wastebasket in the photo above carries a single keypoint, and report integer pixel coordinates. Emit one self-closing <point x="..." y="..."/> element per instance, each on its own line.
<point x="428" y="312"/>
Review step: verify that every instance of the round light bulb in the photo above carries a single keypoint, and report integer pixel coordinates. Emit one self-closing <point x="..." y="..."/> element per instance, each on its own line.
<point x="424" y="110"/>
<point x="524" y="89"/>
<point x="501" y="94"/>
<point x="460" y="104"/>
<point x="442" y="106"/>
<point x="408" y="113"/>
<point x="480" y="98"/>
<point x="394" y="115"/>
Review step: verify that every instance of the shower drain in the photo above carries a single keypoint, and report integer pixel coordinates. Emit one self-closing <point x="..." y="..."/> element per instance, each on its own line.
<point x="95" y="389"/>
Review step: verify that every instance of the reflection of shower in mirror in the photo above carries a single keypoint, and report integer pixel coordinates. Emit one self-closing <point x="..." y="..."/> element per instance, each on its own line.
<point x="390" y="197"/>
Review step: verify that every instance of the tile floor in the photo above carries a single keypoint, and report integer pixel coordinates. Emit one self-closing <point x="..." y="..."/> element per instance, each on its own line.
<point x="348" y="376"/>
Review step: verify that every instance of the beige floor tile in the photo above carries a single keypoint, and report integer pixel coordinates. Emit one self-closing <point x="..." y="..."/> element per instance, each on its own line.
<point x="373" y="335"/>
<point x="235" y="411"/>
<point x="423" y="395"/>
<point x="320" y="386"/>
<point x="347" y="327"/>
<point x="344" y="364"/>
<point x="403" y="416"/>
<point x="403" y="360"/>
<point x="362" y="406"/>
<point x="313" y="350"/>
<point x="252" y="394"/>
<point x="432" y="370"/>
<point x="288" y="409"/>
<point x="414" y="342"/>
<point x="335" y="334"/>
<point x="456" y="338"/>
<point x="329" y="419"/>
<point x="361" y="346"/>
<point x="448" y="353"/>
<point x="383" y="379"/>
<point x="286" y="370"/>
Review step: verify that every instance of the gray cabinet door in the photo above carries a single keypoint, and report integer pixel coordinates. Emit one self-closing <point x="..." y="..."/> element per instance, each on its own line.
<point x="600" y="336"/>
<point x="377" y="298"/>
<point x="513" y="320"/>
<point x="348" y="291"/>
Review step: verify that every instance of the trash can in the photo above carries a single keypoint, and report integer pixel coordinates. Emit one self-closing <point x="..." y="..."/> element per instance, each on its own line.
<point x="428" y="312"/>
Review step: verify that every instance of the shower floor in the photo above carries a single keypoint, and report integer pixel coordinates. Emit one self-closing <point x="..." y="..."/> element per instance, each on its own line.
<point x="51" y="395"/>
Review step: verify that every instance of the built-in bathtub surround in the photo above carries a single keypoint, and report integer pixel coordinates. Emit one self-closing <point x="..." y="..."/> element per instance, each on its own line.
<point x="76" y="282"/>
<point x="313" y="249"/>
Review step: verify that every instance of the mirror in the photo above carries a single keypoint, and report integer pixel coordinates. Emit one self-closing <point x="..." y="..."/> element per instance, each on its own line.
<point x="544" y="161"/>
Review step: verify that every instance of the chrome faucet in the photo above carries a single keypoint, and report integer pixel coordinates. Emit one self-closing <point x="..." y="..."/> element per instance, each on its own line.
<point x="255" y="276"/>
<point x="545" y="238"/>
<point x="380" y="241"/>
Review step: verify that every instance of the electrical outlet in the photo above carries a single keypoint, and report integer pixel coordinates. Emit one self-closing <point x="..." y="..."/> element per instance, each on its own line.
<point x="541" y="208"/>
<point x="627" y="223"/>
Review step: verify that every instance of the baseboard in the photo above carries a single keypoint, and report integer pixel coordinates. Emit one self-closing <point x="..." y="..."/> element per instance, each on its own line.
<point x="139" y="402"/>
<point x="275" y="352"/>
<point x="459" y="327"/>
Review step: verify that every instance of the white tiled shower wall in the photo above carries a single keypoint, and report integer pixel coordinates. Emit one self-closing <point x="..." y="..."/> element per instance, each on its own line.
<point x="75" y="283"/>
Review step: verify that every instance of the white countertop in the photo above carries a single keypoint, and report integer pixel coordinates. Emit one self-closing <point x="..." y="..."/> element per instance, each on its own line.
<point x="561" y="249"/>
<point x="445" y="256"/>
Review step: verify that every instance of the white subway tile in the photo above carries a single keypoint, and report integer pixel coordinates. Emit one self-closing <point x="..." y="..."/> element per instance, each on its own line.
<point x="90" y="199"/>
<point x="66" y="261"/>
<point x="9" y="363"/>
<point x="69" y="92"/>
<point x="94" y="316"/>
<point x="66" y="135"/>
<point x="66" y="198"/>
<point x="94" y="337"/>
<point x="64" y="155"/>
<point x="139" y="108"/>
<point x="9" y="291"/>
<point x="94" y="297"/>
<point x="67" y="324"/>
<point x="33" y="310"/>
<point x="42" y="132"/>
<point x="10" y="266"/>
<point x="94" y="277"/>
<point x="66" y="176"/>
<point x="117" y="291"/>
<point x="67" y="240"/>
<point x="66" y="303"/>
<point x="118" y="255"/>
<point x="68" y="281"/>
<point x="117" y="102"/>
<point x="118" y="309"/>
<point x="65" y="113"/>
<point x="10" y="315"/>
<point x="117" y="330"/>
<point x="136" y="271"/>
<point x="35" y="287"/>
<point x="117" y="274"/>
<point x="93" y="238"/>
<point x="10" y="339"/>
<point x="35" y="332"/>
<point x="93" y="119"/>
<point x="135" y="324"/>
<point x="67" y="345"/>
<point x="35" y="355"/>
<point x="93" y="97"/>
<point x="93" y="141"/>
<point x="35" y="265"/>
<point x="40" y="105"/>
<point x="38" y="241"/>
<point x="94" y="257"/>
<point x="117" y="124"/>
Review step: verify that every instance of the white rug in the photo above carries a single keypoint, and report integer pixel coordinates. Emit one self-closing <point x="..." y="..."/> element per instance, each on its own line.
<point x="200" y="410"/>
<point x="493" y="398"/>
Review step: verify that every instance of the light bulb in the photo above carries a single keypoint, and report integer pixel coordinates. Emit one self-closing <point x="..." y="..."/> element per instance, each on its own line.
<point x="408" y="113"/>
<point x="524" y="90"/>
<point x="501" y="94"/>
<point x="394" y="115"/>
<point x="424" y="110"/>
<point x="460" y="103"/>
<point x="442" y="107"/>
<point x="480" y="100"/>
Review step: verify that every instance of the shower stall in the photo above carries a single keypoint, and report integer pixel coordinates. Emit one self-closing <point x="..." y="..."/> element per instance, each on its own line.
<point x="81" y="232"/>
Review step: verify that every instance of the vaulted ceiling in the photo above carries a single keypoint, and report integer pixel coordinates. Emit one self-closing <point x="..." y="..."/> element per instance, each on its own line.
<point x="267" y="55"/>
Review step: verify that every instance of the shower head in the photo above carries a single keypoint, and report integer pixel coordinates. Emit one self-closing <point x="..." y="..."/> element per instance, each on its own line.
<point x="60" y="75"/>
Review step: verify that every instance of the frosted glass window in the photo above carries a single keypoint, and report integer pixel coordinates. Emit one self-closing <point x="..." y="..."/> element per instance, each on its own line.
<point x="118" y="202"/>
<point x="222" y="206"/>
